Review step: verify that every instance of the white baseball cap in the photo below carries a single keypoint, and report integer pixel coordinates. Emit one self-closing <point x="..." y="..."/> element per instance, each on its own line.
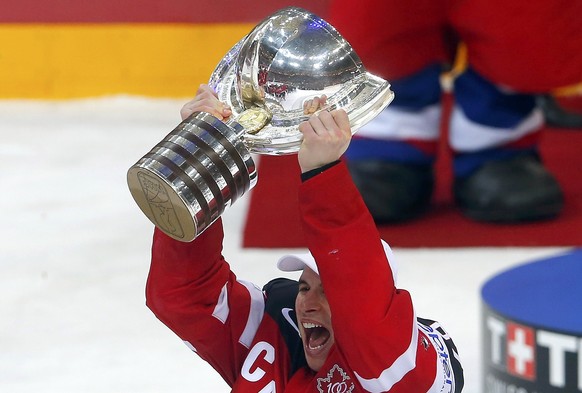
<point x="297" y="262"/>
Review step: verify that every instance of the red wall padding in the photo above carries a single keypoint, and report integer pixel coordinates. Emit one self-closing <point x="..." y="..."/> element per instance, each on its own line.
<point x="147" y="11"/>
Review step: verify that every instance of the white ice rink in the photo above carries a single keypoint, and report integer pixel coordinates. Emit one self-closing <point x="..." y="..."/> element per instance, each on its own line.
<point x="74" y="257"/>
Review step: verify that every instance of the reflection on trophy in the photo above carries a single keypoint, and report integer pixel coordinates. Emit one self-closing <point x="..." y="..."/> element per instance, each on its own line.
<point x="204" y="165"/>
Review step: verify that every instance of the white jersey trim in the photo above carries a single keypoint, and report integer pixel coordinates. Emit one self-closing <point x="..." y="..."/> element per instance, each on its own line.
<point x="256" y="313"/>
<point x="393" y="374"/>
<point x="221" y="310"/>
<point x="190" y="345"/>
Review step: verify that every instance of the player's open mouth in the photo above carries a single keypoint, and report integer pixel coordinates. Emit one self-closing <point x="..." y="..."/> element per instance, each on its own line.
<point x="316" y="336"/>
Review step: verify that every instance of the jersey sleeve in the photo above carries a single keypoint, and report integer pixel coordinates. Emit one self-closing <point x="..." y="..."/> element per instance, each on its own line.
<point x="192" y="290"/>
<point x="374" y="322"/>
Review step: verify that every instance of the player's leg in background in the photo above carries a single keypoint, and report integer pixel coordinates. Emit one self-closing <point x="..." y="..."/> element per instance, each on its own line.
<point x="512" y="56"/>
<point x="391" y="158"/>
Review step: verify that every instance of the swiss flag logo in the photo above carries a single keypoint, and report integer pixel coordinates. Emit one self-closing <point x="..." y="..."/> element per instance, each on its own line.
<point x="521" y="351"/>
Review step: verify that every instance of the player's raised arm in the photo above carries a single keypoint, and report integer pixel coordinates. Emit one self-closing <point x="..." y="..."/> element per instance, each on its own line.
<point x="326" y="137"/>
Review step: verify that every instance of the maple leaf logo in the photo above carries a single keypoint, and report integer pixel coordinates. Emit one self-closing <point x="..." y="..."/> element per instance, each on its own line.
<point x="337" y="381"/>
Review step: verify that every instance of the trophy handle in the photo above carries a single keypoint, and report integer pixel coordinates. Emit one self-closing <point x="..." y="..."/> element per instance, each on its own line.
<point x="225" y="64"/>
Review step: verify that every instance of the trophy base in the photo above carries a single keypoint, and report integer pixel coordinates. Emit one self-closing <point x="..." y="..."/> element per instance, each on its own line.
<point x="192" y="176"/>
<point x="162" y="204"/>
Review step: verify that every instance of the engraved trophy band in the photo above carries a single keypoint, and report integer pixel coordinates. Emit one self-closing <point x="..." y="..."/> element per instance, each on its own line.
<point x="205" y="164"/>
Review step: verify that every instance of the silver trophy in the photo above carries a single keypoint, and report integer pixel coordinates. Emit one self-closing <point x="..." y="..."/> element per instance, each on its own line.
<point x="204" y="165"/>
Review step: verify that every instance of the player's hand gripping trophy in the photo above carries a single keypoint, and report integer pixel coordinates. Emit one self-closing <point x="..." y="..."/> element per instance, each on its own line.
<point x="291" y="59"/>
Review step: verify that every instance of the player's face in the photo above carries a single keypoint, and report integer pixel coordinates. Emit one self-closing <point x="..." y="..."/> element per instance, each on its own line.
<point x="314" y="319"/>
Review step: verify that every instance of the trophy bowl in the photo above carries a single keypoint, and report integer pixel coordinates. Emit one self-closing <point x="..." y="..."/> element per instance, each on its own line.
<point x="205" y="164"/>
<point x="290" y="57"/>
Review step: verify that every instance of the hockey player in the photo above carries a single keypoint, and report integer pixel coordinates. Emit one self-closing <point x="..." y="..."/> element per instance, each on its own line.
<point x="344" y="327"/>
<point x="508" y="56"/>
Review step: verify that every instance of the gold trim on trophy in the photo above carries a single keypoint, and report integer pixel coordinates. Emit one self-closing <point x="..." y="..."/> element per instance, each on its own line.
<point x="254" y="119"/>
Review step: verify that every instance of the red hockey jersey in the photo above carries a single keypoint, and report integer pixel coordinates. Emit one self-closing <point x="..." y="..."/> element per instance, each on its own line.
<point x="249" y="335"/>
